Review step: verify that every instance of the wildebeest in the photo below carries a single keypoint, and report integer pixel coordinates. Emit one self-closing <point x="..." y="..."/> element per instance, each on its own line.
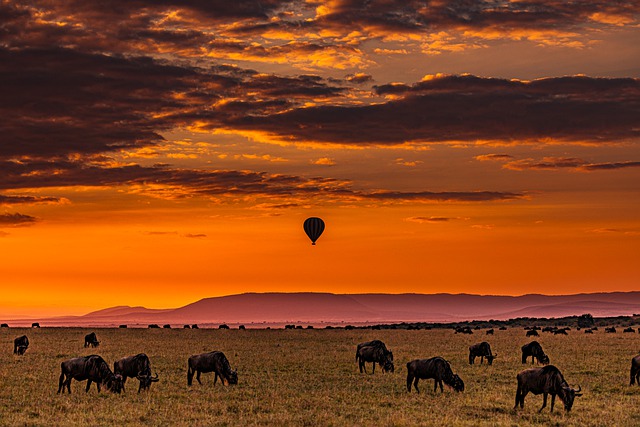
<point x="4" y="325"/>
<point x="20" y="345"/>
<point x="490" y="332"/>
<point x="481" y="350"/>
<point x="533" y="333"/>
<point x="436" y="368"/>
<point x="463" y="330"/>
<point x="92" y="368"/>
<point x="502" y="328"/>
<point x="214" y="361"/>
<point x="588" y="331"/>
<point x="560" y="332"/>
<point x="154" y="326"/>
<point x="549" y="329"/>
<point x="375" y="352"/>
<point x="635" y="370"/>
<point x="534" y="349"/>
<point x="35" y="325"/>
<point x="90" y="340"/>
<point x="186" y="327"/>
<point x="546" y="380"/>
<point x="167" y="326"/>
<point x="194" y="326"/>
<point x="122" y="326"/>
<point x="629" y="330"/>
<point x="137" y="366"/>
<point x="610" y="330"/>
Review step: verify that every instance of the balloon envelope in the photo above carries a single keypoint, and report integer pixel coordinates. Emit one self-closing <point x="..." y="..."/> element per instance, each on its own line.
<point x="313" y="227"/>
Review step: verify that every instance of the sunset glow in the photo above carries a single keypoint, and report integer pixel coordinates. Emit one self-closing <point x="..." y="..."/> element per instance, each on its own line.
<point x="156" y="153"/>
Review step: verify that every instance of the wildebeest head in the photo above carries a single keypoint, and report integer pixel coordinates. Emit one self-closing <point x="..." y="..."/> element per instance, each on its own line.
<point x="457" y="383"/>
<point x="232" y="377"/>
<point x="567" y="395"/>
<point x="544" y="359"/>
<point x="146" y="380"/>
<point x="388" y="362"/>
<point x="114" y="383"/>
<point x="21" y="349"/>
<point x="490" y="358"/>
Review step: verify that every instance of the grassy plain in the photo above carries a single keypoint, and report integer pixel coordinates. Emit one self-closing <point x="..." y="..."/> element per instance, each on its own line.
<point x="310" y="377"/>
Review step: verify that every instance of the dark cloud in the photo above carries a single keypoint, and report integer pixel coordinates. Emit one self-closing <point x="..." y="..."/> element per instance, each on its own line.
<point x="555" y="163"/>
<point x="15" y="200"/>
<point x="468" y="108"/>
<point x="195" y="236"/>
<point x="429" y="219"/>
<point x="16" y="220"/>
<point x="610" y="166"/>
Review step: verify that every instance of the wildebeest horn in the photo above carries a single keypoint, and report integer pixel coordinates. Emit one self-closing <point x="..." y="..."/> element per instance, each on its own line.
<point x="495" y="355"/>
<point x="155" y="379"/>
<point x="579" y="389"/>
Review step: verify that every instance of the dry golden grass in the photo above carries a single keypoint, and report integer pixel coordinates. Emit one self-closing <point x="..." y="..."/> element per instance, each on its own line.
<point x="310" y="377"/>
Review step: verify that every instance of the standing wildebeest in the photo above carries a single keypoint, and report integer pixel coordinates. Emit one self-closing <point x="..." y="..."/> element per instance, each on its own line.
<point x="214" y="361"/>
<point x="629" y="329"/>
<point x="90" y="340"/>
<point x="532" y="333"/>
<point x="20" y="345"/>
<point x="490" y="332"/>
<point x="91" y="368"/>
<point x="546" y="380"/>
<point x="560" y="332"/>
<point x="534" y="349"/>
<point x="375" y="352"/>
<point x="4" y="325"/>
<point x="635" y="370"/>
<point x="137" y="366"/>
<point x="35" y="325"/>
<point x="610" y="330"/>
<point x="481" y="350"/>
<point x="436" y="368"/>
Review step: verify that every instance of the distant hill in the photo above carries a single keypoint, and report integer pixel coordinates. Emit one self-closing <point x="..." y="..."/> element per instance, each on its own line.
<point x="307" y="307"/>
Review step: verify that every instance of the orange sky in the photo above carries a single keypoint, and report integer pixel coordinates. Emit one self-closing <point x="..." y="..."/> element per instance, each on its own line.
<point x="158" y="155"/>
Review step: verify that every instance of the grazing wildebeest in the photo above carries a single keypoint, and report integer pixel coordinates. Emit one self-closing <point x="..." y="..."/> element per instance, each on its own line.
<point x="534" y="349"/>
<point x="463" y="330"/>
<point x="20" y="345"/>
<point x="502" y="328"/>
<point x="635" y="370"/>
<point x="549" y="329"/>
<point x="588" y="331"/>
<point x="629" y="330"/>
<point x="214" y="361"/>
<point x="90" y="340"/>
<point x="194" y="326"/>
<point x="154" y="326"/>
<point x="4" y="325"/>
<point x="122" y="326"/>
<point x="490" y="332"/>
<point x="533" y="333"/>
<point x="375" y="352"/>
<point x="186" y="327"/>
<point x="610" y="330"/>
<point x="167" y="326"/>
<point x="436" y="368"/>
<point x="546" y="380"/>
<point x="92" y="368"/>
<point x="481" y="350"/>
<point x="560" y="332"/>
<point x="137" y="366"/>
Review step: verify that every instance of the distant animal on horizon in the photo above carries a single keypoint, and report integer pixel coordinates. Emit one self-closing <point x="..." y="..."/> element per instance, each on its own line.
<point x="20" y="345"/>
<point x="167" y="326"/>
<point x="546" y="380"/>
<point x="194" y="326"/>
<point x="154" y="326"/>
<point x="92" y="368"/>
<point x="560" y="332"/>
<point x="633" y="331"/>
<point x="438" y="369"/>
<point x="186" y="327"/>
<point x="138" y="367"/>
<point x="463" y="330"/>
<point x="35" y="325"/>
<point x="610" y="330"/>
<point x="532" y="333"/>
<point x="374" y="352"/>
<point x="90" y="340"/>
<point x="534" y="349"/>
<point x="481" y="350"/>
<point x="4" y="325"/>
<point x="214" y="361"/>
<point x="588" y="331"/>
<point x="502" y="328"/>
<point x="490" y="332"/>
<point x="122" y="326"/>
<point x="635" y="370"/>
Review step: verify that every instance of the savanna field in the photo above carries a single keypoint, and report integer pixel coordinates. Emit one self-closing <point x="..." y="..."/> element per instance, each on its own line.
<point x="310" y="377"/>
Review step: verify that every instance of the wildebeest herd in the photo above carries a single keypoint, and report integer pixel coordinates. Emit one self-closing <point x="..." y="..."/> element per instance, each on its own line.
<point x="545" y="380"/>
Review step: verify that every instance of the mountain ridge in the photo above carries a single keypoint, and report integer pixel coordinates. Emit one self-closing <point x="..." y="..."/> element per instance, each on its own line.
<point x="331" y="308"/>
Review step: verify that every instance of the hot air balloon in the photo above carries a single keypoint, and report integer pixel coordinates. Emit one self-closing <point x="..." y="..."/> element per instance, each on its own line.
<point x="313" y="227"/>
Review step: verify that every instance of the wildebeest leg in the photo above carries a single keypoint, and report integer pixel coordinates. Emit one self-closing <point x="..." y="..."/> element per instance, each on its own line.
<point x="88" y="385"/>
<point x="634" y="375"/>
<point x="215" y="378"/>
<point x="374" y="368"/>
<point x="68" y="384"/>
<point x="61" y="383"/>
<point x="518" y="392"/>
<point x="124" y="380"/>
<point x="544" y="402"/>
<point x="409" y="379"/>
<point x="481" y="359"/>
<point x="415" y="384"/>
<point x="553" y="400"/>
<point x="198" y="377"/>
<point x="471" y="359"/>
